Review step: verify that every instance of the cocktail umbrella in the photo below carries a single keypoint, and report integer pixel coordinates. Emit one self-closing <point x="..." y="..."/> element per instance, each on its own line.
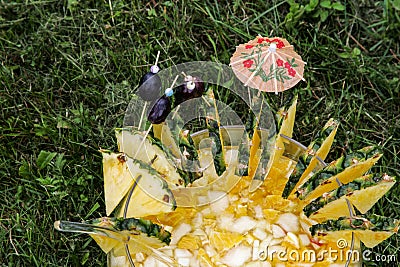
<point x="268" y="64"/>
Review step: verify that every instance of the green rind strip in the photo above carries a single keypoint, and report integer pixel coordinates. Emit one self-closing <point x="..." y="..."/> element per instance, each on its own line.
<point x="335" y="168"/>
<point x="190" y="160"/>
<point x="371" y="222"/>
<point x="242" y="168"/>
<point x="143" y="226"/>
<point x="157" y="175"/>
<point x="187" y="176"/>
<point x="347" y="189"/>
<point x="265" y="157"/>
<point x="117" y="228"/>
<point x="307" y="156"/>
<point x="217" y="148"/>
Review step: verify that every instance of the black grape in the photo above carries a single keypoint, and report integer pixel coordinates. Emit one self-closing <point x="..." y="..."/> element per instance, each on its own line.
<point x="160" y="110"/>
<point x="183" y="92"/>
<point x="149" y="87"/>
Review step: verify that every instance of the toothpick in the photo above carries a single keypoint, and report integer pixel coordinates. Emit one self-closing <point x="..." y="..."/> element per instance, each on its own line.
<point x="173" y="83"/>
<point x="141" y="116"/>
<point x="158" y="56"/>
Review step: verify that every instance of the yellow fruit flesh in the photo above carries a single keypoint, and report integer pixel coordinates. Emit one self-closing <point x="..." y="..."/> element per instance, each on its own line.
<point x="222" y="241"/>
<point x="162" y="132"/>
<point x="147" y="198"/>
<point x="368" y="237"/>
<point x="363" y="200"/>
<point x="214" y="234"/>
<point x="105" y="243"/>
<point x="333" y="211"/>
<point x="117" y="180"/>
<point x="254" y="154"/>
<point x="132" y="144"/>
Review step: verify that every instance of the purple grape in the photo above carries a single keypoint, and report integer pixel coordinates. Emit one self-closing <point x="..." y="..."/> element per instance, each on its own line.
<point x="192" y="87"/>
<point x="149" y="87"/>
<point x="160" y="110"/>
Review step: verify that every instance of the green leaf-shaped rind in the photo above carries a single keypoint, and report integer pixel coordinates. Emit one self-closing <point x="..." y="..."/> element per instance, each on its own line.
<point x="244" y="146"/>
<point x="154" y="153"/>
<point x="187" y="175"/>
<point x="349" y="189"/>
<point x="369" y="229"/>
<point x="217" y="147"/>
<point x="143" y="226"/>
<point x="117" y="228"/>
<point x="359" y="162"/>
<point x="305" y="159"/>
<point x="371" y="222"/>
<point x="151" y="194"/>
<point x="190" y="162"/>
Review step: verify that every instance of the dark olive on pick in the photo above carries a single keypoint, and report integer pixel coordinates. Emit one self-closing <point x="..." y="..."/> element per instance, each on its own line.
<point x="160" y="110"/>
<point x="150" y="86"/>
<point x="192" y="87"/>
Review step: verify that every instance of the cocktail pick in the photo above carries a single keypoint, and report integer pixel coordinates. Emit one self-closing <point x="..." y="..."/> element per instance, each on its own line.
<point x="149" y="87"/>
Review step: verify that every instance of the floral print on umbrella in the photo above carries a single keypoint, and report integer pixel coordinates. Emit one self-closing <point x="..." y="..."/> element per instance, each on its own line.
<point x="281" y="70"/>
<point x="267" y="64"/>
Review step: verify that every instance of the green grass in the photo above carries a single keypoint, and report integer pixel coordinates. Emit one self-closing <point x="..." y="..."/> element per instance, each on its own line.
<point x="68" y="69"/>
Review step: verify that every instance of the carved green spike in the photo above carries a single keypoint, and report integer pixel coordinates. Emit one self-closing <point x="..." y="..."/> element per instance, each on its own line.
<point x="114" y="233"/>
<point x="154" y="153"/>
<point x="370" y="229"/>
<point x="363" y="193"/>
<point x="308" y="161"/>
<point x="345" y="169"/>
<point x="244" y="146"/>
<point x="217" y="146"/>
<point x="190" y="158"/>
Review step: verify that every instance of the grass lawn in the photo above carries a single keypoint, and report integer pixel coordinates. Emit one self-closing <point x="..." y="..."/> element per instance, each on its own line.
<point x="68" y="69"/>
